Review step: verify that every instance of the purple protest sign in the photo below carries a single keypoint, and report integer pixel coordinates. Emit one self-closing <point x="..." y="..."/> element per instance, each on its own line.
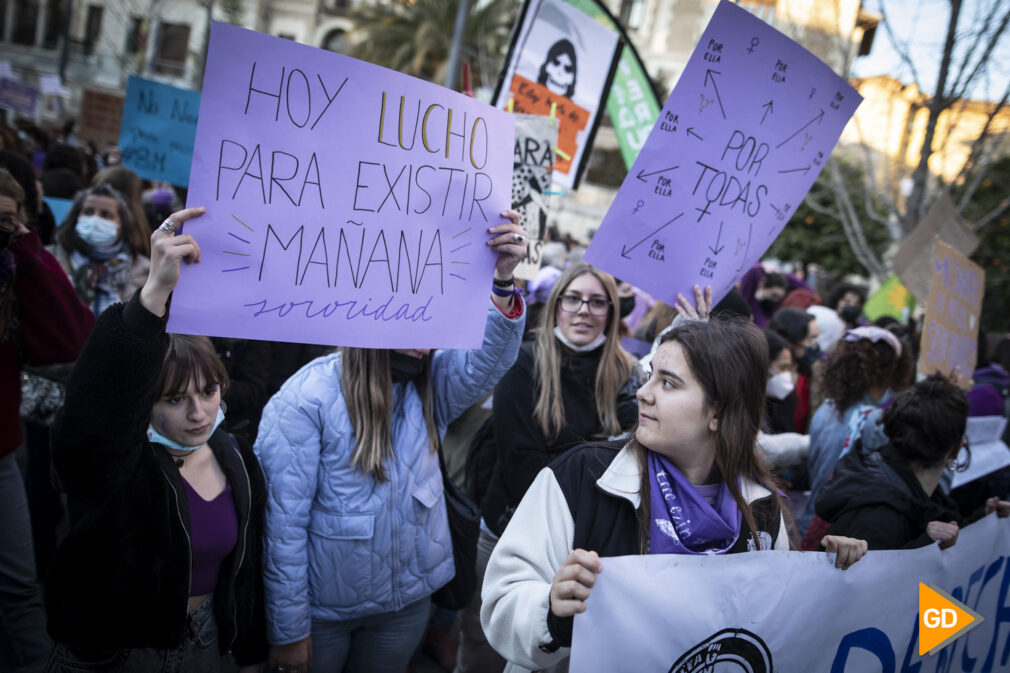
<point x="738" y="144"/>
<point x="346" y="204"/>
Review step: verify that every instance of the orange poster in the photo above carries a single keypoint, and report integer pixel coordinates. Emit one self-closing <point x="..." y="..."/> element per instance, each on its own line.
<point x="536" y="99"/>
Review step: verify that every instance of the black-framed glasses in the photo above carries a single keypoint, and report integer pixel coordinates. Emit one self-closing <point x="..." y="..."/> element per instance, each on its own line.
<point x="572" y="303"/>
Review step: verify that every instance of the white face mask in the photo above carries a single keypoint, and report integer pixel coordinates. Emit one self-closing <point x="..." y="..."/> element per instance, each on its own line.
<point x="96" y="231"/>
<point x="780" y="385"/>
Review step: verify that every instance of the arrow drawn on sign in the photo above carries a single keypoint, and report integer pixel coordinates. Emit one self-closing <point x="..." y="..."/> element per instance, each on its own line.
<point x="718" y="248"/>
<point x="625" y="249"/>
<point x="690" y="132"/>
<point x="642" y="175"/>
<point x="768" y="108"/>
<point x="708" y="77"/>
<point x="805" y="169"/>
<point x="817" y="119"/>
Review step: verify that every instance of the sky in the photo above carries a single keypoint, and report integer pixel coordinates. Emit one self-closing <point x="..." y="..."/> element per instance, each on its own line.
<point x="921" y="25"/>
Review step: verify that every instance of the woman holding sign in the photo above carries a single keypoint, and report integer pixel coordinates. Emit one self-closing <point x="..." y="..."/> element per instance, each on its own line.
<point x="357" y="535"/>
<point x="161" y="568"/>
<point x="699" y="413"/>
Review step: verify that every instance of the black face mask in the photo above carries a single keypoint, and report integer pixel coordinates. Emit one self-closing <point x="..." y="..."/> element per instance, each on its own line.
<point x="403" y="367"/>
<point x="811" y="354"/>
<point x="850" y="314"/>
<point x="5" y="238"/>
<point x="627" y="305"/>
<point x="769" y="306"/>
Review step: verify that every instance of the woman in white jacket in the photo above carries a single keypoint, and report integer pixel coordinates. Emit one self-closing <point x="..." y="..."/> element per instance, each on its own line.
<point x="688" y="482"/>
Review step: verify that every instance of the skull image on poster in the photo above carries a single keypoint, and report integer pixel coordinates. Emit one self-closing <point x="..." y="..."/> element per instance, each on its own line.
<point x="559" y="69"/>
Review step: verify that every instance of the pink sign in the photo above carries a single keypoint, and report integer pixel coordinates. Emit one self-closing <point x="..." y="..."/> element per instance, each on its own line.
<point x="737" y="146"/>
<point x="346" y="204"/>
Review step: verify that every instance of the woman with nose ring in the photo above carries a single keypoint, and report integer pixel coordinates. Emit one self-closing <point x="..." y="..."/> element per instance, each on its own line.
<point x="694" y="447"/>
<point x="573" y="383"/>
<point x="357" y="537"/>
<point x="160" y="572"/>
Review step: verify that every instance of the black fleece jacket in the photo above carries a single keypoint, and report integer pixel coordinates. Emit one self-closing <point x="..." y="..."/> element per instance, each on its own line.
<point x="522" y="448"/>
<point x="876" y="497"/>
<point x="121" y="578"/>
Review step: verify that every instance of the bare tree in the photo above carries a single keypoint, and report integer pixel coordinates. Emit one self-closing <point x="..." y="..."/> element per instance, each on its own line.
<point x="966" y="61"/>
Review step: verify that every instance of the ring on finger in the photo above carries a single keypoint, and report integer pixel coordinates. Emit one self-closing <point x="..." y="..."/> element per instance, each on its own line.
<point x="169" y="226"/>
<point x="518" y="238"/>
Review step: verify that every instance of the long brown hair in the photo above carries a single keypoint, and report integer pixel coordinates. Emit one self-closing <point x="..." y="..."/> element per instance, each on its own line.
<point x="367" y="388"/>
<point x="729" y="358"/>
<point x="612" y="373"/>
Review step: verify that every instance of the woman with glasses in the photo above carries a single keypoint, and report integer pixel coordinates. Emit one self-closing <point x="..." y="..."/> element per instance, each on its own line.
<point x="891" y="498"/>
<point x="573" y="383"/>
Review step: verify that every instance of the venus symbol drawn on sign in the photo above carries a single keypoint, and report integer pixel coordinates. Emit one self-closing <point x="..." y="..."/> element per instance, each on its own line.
<point x="753" y="43"/>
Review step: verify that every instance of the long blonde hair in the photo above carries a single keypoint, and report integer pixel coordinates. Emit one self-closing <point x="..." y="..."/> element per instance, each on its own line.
<point x="368" y="393"/>
<point x="612" y="373"/>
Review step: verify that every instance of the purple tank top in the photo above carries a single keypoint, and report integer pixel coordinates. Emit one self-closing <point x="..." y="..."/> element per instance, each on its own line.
<point x="213" y="530"/>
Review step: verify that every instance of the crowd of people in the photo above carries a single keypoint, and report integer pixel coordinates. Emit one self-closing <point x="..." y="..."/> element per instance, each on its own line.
<point x="189" y="503"/>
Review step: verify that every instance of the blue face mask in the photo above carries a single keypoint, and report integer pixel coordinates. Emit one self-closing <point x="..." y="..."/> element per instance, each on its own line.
<point x="157" y="438"/>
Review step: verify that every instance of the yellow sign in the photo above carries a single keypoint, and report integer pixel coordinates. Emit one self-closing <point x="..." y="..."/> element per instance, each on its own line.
<point x="942" y="619"/>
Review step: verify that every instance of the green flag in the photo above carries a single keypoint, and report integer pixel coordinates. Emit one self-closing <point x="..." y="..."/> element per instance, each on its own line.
<point x="892" y="299"/>
<point x="632" y="104"/>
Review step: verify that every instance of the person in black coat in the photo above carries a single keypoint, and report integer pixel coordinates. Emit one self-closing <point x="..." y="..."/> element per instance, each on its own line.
<point x="162" y="564"/>
<point x="574" y="383"/>
<point x="892" y="498"/>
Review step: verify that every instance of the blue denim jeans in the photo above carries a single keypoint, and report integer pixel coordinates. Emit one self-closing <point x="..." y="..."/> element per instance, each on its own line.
<point x="197" y="653"/>
<point x="382" y="643"/>
<point x="23" y="640"/>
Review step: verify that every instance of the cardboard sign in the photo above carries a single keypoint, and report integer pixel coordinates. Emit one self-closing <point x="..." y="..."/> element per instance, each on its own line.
<point x="531" y="179"/>
<point x="911" y="262"/>
<point x="101" y="114"/>
<point x="738" y="144"/>
<point x="950" y="328"/>
<point x="346" y="204"/>
<point x="560" y="56"/>
<point x="158" y="128"/>
<point x="794" y="611"/>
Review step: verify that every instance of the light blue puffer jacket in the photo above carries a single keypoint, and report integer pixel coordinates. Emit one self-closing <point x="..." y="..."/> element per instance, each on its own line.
<point x="339" y="544"/>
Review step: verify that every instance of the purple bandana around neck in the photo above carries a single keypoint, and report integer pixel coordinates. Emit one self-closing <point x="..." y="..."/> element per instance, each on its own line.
<point x="682" y="520"/>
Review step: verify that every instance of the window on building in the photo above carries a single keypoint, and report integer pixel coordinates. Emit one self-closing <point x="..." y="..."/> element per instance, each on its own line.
<point x="631" y="13"/>
<point x="336" y="40"/>
<point x="93" y="27"/>
<point x="55" y="17"/>
<point x="286" y="36"/>
<point x="26" y="18"/>
<point x="135" y="36"/>
<point x="173" y="48"/>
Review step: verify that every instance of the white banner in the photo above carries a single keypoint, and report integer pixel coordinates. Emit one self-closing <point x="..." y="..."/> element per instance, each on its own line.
<point x="794" y="612"/>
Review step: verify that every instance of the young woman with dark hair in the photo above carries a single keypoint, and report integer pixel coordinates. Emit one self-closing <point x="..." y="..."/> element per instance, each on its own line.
<point x="357" y="538"/>
<point x="101" y="248"/>
<point x="867" y="367"/>
<point x="699" y="414"/>
<point x="891" y="498"/>
<point x="161" y="568"/>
